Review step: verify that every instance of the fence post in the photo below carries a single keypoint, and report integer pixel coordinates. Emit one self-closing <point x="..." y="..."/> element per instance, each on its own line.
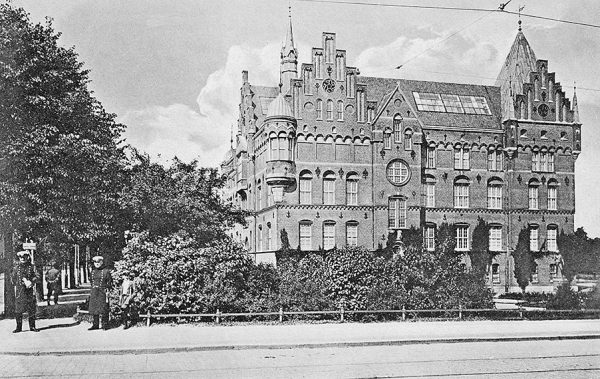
<point x="218" y="318"/>
<point x="148" y="318"/>
<point x="460" y="311"/>
<point x="342" y="313"/>
<point x="280" y="314"/>
<point x="403" y="313"/>
<point x="520" y="311"/>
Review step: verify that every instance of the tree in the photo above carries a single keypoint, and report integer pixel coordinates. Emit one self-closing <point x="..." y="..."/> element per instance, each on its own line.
<point x="60" y="160"/>
<point x="579" y="253"/>
<point x="480" y="254"/>
<point x="181" y="197"/>
<point x="524" y="260"/>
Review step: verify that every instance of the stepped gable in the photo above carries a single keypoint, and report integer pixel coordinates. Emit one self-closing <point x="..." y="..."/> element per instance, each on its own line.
<point x="519" y="63"/>
<point x="380" y="88"/>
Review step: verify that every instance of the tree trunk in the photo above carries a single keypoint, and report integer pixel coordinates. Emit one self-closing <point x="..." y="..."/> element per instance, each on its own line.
<point x="9" y="293"/>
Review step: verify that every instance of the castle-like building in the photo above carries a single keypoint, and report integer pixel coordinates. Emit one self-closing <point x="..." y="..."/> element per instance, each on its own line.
<point x="335" y="158"/>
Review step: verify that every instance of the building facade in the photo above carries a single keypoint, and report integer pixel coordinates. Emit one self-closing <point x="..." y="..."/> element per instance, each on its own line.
<point x="335" y="158"/>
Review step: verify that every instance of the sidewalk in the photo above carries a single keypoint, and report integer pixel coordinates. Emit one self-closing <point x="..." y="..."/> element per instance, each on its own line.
<point x="65" y="336"/>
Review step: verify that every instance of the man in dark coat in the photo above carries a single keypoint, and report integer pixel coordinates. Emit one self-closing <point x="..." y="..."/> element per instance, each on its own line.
<point x="101" y="281"/>
<point x="23" y="278"/>
<point x="53" y="283"/>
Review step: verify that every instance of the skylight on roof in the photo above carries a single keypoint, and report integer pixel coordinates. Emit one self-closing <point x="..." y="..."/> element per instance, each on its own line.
<point x="449" y="103"/>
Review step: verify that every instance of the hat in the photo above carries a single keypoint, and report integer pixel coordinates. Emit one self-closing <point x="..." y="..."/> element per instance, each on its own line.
<point x="23" y="253"/>
<point x="98" y="258"/>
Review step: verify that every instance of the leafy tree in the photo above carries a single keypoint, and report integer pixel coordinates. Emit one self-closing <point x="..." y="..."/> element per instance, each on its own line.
<point x="579" y="253"/>
<point x="181" y="197"/>
<point x="523" y="259"/>
<point x="304" y="284"/>
<point x="60" y="158"/>
<point x="480" y="254"/>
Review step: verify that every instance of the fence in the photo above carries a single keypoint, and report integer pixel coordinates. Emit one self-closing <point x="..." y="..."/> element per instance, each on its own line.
<point x="403" y="314"/>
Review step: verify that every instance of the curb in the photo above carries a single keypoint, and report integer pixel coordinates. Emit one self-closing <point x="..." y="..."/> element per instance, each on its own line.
<point x="164" y="350"/>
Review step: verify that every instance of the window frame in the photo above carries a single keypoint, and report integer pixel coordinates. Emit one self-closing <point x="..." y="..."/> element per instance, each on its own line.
<point x="462" y="237"/>
<point x="305" y="225"/>
<point x="397" y="212"/>
<point x="329" y="188"/>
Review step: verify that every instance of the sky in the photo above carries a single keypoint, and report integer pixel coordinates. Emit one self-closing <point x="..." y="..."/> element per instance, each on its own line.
<point x="171" y="70"/>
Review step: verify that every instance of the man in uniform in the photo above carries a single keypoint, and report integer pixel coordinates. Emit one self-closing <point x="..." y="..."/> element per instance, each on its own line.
<point x="23" y="278"/>
<point x="101" y="281"/>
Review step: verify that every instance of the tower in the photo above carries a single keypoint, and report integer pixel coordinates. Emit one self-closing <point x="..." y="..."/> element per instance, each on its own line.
<point x="289" y="60"/>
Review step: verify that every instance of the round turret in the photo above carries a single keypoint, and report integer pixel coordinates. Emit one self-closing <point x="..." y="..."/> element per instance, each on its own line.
<point x="279" y="108"/>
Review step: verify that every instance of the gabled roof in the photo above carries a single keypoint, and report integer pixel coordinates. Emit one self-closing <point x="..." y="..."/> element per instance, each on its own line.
<point x="519" y="63"/>
<point x="380" y="88"/>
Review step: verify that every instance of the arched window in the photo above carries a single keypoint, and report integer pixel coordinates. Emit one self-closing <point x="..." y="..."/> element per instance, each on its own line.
<point x="494" y="193"/>
<point x="305" y="187"/>
<point x="534" y="238"/>
<point x="340" y="110"/>
<point x="329" y="188"/>
<point x="330" y="110"/>
<point x="552" y="195"/>
<point x="495" y="160"/>
<point x="319" y="109"/>
<point x="305" y="235"/>
<point x="552" y="235"/>
<point x="284" y="148"/>
<point x="352" y="189"/>
<point x="328" y="235"/>
<point x="533" y="189"/>
<point x="408" y="139"/>
<point x="352" y="233"/>
<point x="429" y="190"/>
<point x="397" y="128"/>
<point x="461" y="192"/>
<point x="260" y="238"/>
<point x="269" y="237"/>
<point x="387" y="139"/>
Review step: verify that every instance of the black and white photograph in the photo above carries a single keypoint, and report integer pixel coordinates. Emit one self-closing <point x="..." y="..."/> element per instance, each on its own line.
<point x="299" y="189"/>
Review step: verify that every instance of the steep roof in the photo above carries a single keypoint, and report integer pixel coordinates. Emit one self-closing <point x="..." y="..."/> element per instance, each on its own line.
<point x="379" y="89"/>
<point x="280" y="107"/>
<point x="519" y="63"/>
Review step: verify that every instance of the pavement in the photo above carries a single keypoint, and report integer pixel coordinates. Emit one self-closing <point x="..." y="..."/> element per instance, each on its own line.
<point x="66" y="336"/>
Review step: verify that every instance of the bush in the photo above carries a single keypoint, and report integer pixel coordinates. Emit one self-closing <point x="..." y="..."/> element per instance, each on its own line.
<point x="565" y="298"/>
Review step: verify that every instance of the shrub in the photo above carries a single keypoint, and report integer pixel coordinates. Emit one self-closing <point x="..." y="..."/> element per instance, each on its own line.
<point x="565" y="298"/>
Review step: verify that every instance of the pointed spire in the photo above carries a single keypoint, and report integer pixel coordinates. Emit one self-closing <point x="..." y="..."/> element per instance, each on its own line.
<point x="289" y="39"/>
<point x="289" y="58"/>
<point x="575" y="106"/>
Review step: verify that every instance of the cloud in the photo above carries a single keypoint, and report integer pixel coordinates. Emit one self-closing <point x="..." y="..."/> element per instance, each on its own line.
<point x="456" y="59"/>
<point x="203" y="133"/>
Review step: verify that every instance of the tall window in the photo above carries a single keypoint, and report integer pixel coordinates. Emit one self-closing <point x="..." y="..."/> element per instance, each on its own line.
<point x="269" y="237"/>
<point x="260" y="238"/>
<point x="305" y="235"/>
<point x="259" y="194"/>
<point x="534" y="238"/>
<point x="553" y="271"/>
<point x="551" y="238"/>
<point x="269" y="196"/>
<point x="352" y="189"/>
<point x="429" y="237"/>
<point x="284" y="148"/>
<point x="495" y="160"/>
<point x="552" y="195"/>
<point x="496" y="238"/>
<point x="461" y="158"/>
<point x="461" y="195"/>
<point x="462" y="237"/>
<point x="387" y="140"/>
<point x="319" y="109"/>
<point x="306" y="188"/>
<point x="340" y="110"/>
<point x="397" y="129"/>
<point x="496" y="273"/>
<point x="430" y="195"/>
<point x="330" y="110"/>
<point x="408" y="139"/>
<point x="533" y="196"/>
<point x="328" y="235"/>
<point x="494" y="197"/>
<point x="535" y="278"/>
<point x="396" y="212"/>
<point x="329" y="188"/>
<point x="542" y="161"/>
<point x="352" y="233"/>
<point x="431" y="155"/>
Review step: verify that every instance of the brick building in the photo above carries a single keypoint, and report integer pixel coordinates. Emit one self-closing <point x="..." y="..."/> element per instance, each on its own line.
<point x="337" y="158"/>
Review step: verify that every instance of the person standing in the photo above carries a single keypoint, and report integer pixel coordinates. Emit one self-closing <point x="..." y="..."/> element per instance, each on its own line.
<point x="101" y="282"/>
<point x="126" y="299"/>
<point x="53" y="283"/>
<point x="23" y="278"/>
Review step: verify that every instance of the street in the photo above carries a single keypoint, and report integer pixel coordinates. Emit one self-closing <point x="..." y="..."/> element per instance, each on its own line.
<point x="531" y="359"/>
